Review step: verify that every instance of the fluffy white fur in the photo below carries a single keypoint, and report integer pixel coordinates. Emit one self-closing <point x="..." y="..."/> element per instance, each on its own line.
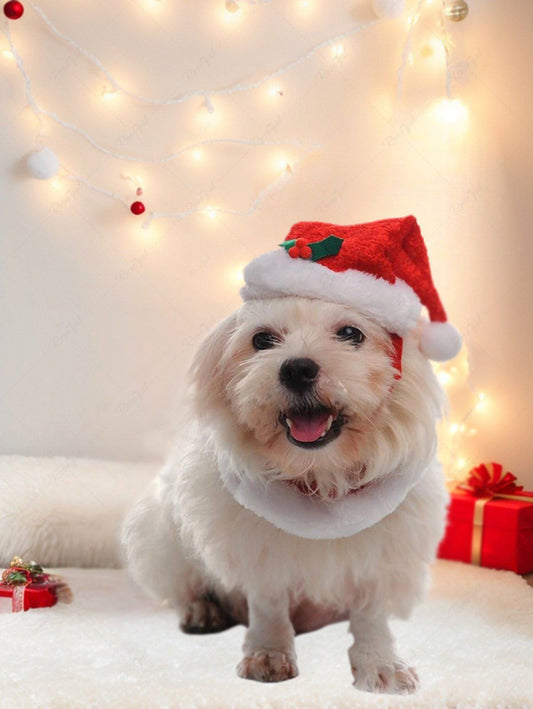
<point x="190" y="542"/>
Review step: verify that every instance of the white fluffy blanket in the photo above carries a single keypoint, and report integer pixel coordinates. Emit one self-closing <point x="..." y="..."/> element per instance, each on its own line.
<point x="66" y="511"/>
<point x="472" y="643"/>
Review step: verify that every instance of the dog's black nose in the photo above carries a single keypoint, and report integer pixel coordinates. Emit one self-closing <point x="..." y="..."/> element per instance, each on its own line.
<point x="298" y="374"/>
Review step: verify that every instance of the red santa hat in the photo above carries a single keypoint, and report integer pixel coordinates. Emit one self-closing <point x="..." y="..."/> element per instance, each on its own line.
<point x="382" y="268"/>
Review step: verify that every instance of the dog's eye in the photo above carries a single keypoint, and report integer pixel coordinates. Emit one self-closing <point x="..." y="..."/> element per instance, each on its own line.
<point x="351" y="334"/>
<point x="264" y="340"/>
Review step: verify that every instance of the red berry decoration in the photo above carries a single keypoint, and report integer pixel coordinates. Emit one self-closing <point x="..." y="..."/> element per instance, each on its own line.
<point x="300" y="250"/>
<point x="137" y="208"/>
<point x="13" y="10"/>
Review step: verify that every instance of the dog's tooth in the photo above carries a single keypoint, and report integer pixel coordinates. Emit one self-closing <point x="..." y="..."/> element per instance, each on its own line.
<point x="289" y="422"/>
<point x="323" y="434"/>
<point x="328" y="424"/>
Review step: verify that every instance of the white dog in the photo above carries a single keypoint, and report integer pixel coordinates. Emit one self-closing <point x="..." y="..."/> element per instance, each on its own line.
<point x="306" y="490"/>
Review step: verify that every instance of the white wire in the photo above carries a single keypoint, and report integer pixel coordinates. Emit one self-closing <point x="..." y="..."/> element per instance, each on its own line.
<point x="446" y="46"/>
<point x="38" y="111"/>
<point x="206" y="94"/>
<point x="413" y="18"/>
<point x="78" y="178"/>
<point x="261" y="197"/>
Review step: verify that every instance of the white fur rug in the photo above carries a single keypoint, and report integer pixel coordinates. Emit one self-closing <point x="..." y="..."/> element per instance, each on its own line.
<point x="472" y="643"/>
<point x="66" y="511"/>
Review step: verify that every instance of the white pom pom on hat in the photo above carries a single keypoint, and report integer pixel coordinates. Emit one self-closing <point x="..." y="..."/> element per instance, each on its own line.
<point x="380" y="267"/>
<point x="440" y="341"/>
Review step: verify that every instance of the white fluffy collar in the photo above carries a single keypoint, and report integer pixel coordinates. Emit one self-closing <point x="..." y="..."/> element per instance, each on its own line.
<point x="304" y="516"/>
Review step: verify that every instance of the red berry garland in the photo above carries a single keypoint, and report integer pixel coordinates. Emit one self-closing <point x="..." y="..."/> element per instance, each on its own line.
<point x="13" y="10"/>
<point x="137" y="208"/>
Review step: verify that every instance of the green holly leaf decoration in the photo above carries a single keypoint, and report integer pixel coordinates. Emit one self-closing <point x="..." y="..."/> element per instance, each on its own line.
<point x="330" y="246"/>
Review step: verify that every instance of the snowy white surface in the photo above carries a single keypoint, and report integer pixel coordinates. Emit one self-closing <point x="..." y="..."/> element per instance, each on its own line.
<point x="471" y="642"/>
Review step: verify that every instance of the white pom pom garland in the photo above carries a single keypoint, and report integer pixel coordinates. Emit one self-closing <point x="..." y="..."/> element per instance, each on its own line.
<point x="43" y="164"/>
<point x="440" y="341"/>
<point x="388" y="8"/>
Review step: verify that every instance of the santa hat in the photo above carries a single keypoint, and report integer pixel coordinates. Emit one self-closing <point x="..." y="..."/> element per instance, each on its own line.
<point x="382" y="268"/>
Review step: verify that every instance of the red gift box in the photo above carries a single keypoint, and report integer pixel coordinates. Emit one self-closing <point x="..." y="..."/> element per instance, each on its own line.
<point x="22" y="598"/>
<point x="490" y="522"/>
<point x="26" y="585"/>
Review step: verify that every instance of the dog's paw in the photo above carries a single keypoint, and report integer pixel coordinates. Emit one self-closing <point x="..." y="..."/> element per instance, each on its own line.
<point x="385" y="677"/>
<point x="268" y="666"/>
<point x="205" y="616"/>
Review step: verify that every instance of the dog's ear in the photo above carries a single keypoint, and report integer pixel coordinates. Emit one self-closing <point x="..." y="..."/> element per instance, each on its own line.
<point x="206" y="372"/>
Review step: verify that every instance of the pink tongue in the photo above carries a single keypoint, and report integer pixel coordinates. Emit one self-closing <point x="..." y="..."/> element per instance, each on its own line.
<point x="308" y="428"/>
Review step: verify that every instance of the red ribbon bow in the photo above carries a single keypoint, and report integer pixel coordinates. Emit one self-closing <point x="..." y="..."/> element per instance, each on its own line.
<point x="486" y="480"/>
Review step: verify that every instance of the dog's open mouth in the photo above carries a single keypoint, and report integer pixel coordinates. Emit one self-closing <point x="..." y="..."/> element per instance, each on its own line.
<point x="311" y="428"/>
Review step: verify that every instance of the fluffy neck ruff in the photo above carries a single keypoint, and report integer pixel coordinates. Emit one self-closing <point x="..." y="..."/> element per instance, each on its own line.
<point x="287" y="508"/>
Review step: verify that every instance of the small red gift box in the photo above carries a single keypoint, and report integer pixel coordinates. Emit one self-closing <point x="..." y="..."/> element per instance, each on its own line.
<point x="24" y="586"/>
<point x="22" y="598"/>
<point x="490" y="522"/>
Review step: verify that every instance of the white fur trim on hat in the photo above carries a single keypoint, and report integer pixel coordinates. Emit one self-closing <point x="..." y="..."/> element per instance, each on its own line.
<point x="275" y="274"/>
<point x="440" y="341"/>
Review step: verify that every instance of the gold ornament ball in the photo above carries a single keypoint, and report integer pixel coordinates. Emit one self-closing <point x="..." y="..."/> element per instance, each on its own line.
<point x="456" y="10"/>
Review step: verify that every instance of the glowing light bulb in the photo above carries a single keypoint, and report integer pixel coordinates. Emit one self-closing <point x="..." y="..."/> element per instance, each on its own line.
<point x="231" y="13"/>
<point x="337" y="51"/>
<point x="149" y="232"/>
<point x="197" y="155"/>
<point x="236" y="276"/>
<point x="305" y="9"/>
<point x="56" y="184"/>
<point x="211" y="212"/>
<point x="232" y="6"/>
<point x="208" y="105"/>
<point x="444" y="377"/>
<point x="454" y="428"/>
<point x="481" y="402"/>
<point x="451" y="111"/>
<point x="7" y="54"/>
<point x="283" y="164"/>
<point x="276" y="91"/>
<point x="109" y="93"/>
<point x="461" y="463"/>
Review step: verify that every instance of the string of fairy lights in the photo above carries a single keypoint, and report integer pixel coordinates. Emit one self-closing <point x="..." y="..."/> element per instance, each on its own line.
<point x="44" y="164"/>
<point x="469" y="407"/>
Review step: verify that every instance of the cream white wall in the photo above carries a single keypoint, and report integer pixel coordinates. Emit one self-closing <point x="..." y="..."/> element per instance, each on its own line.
<point x="100" y="317"/>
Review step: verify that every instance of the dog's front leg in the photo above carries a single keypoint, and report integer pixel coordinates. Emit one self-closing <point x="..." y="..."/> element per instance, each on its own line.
<point x="269" y="644"/>
<point x="375" y="665"/>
